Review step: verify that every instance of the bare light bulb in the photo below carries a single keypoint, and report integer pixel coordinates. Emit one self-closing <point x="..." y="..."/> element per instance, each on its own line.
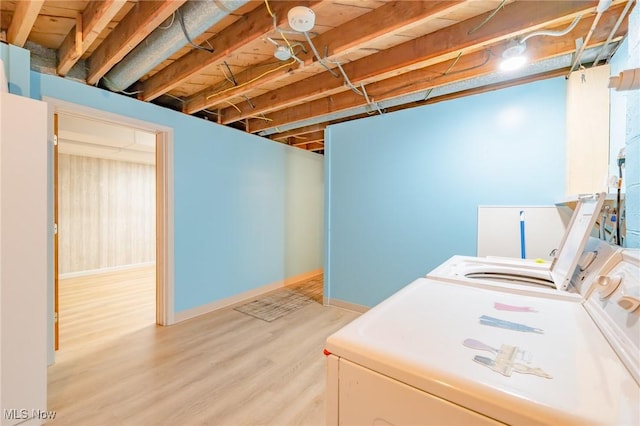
<point x="512" y="64"/>
<point x="513" y="56"/>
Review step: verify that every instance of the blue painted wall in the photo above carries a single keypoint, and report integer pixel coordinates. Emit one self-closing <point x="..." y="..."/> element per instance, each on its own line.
<point x="232" y="199"/>
<point x="16" y="63"/>
<point x="625" y="122"/>
<point x="402" y="189"/>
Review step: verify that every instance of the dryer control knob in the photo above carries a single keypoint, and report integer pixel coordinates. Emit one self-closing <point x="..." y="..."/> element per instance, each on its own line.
<point x="608" y="284"/>
<point x="629" y="303"/>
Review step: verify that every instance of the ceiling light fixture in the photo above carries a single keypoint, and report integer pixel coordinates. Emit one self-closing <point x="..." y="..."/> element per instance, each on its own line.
<point x="301" y="18"/>
<point x="513" y="56"/>
<point x="282" y="53"/>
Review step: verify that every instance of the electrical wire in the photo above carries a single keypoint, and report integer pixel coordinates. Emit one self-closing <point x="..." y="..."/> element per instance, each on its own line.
<point x="552" y="33"/>
<point x="362" y="91"/>
<point x="487" y="19"/>
<point x="249" y="101"/>
<point x="266" y="2"/>
<point x="578" y="54"/>
<point x="315" y="52"/>
<point x="453" y="64"/>
<point x="223" y="84"/>
<point x="173" y="18"/>
<point x="261" y="117"/>
<point x="233" y="79"/>
<point x="371" y="101"/>
<point x="613" y="31"/>
<point x="440" y="74"/>
<point x="109" y="82"/>
<point x="252" y="80"/>
<point x="175" y="97"/>
<point x="226" y="77"/>
<point x="233" y="105"/>
<point x="347" y="82"/>
<point x="186" y="35"/>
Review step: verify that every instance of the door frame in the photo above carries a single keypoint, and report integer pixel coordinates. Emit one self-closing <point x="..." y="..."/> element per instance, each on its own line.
<point x="165" y="314"/>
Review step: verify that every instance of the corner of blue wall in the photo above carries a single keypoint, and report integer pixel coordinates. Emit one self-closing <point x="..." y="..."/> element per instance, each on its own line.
<point x="17" y="63"/>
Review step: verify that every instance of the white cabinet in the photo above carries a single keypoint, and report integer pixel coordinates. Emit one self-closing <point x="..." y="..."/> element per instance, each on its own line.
<point x="23" y="260"/>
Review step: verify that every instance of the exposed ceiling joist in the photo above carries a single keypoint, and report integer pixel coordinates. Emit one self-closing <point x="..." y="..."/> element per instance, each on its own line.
<point x="22" y="22"/>
<point x="258" y="23"/>
<point x="94" y="20"/>
<point x="307" y="138"/>
<point x="317" y="146"/>
<point x="300" y="131"/>
<point x="515" y="18"/>
<point x="383" y="55"/>
<point x="391" y="17"/>
<point x="474" y="64"/>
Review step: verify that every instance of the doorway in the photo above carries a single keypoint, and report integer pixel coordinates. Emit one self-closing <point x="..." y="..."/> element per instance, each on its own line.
<point x="141" y="150"/>
<point x="106" y="230"/>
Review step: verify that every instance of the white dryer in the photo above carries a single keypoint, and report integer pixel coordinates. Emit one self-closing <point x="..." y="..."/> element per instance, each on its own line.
<point x="440" y="353"/>
<point x="575" y="262"/>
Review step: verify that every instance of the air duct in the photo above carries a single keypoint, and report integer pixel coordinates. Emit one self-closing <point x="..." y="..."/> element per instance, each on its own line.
<point x="190" y="20"/>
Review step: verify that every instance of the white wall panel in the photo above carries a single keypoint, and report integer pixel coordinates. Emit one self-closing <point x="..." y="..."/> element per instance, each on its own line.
<point x="23" y="260"/>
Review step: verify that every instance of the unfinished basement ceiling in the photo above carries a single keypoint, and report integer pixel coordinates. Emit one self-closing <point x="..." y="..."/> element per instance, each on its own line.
<point x="215" y="59"/>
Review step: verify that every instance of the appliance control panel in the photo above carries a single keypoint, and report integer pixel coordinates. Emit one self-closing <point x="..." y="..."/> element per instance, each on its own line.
<point x="614" y="305"/>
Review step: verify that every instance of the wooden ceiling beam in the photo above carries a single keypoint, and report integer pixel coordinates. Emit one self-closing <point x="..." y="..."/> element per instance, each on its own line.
<point x="138" y="24"/>
<point x="300" y="131"/>
<point x="257" y="75"/>
<point x="483" y="89"/>
<point x="514" y="19"/>
<point x="472" y="65"/>
<point x="307" y="139"/>
<point x="95" y="18"/>
<point x="258" y="23"/>
<point x="22" y="21"/>
<point x="392" y="17"/>
<point x="315" y="147"/>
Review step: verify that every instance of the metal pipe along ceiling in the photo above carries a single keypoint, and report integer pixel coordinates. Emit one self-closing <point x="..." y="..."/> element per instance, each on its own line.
<point x="197" y="15"/>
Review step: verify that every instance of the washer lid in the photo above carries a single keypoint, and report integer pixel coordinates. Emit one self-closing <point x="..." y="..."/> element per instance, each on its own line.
<point x="575" y="239"/>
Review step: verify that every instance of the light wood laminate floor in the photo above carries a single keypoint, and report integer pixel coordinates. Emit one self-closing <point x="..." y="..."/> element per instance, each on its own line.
<point x="102" y="307"/>
<point x="223" y="368"/>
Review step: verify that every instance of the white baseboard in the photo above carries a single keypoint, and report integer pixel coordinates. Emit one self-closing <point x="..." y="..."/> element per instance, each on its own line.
<point x="105" y="270"/>
<point x="241" y="298"/>
<point x="346" y="305"/>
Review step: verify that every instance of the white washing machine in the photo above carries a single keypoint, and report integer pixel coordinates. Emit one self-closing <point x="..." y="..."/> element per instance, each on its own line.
<point x="576" y="261"/>
<point x="439" y="353"/>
